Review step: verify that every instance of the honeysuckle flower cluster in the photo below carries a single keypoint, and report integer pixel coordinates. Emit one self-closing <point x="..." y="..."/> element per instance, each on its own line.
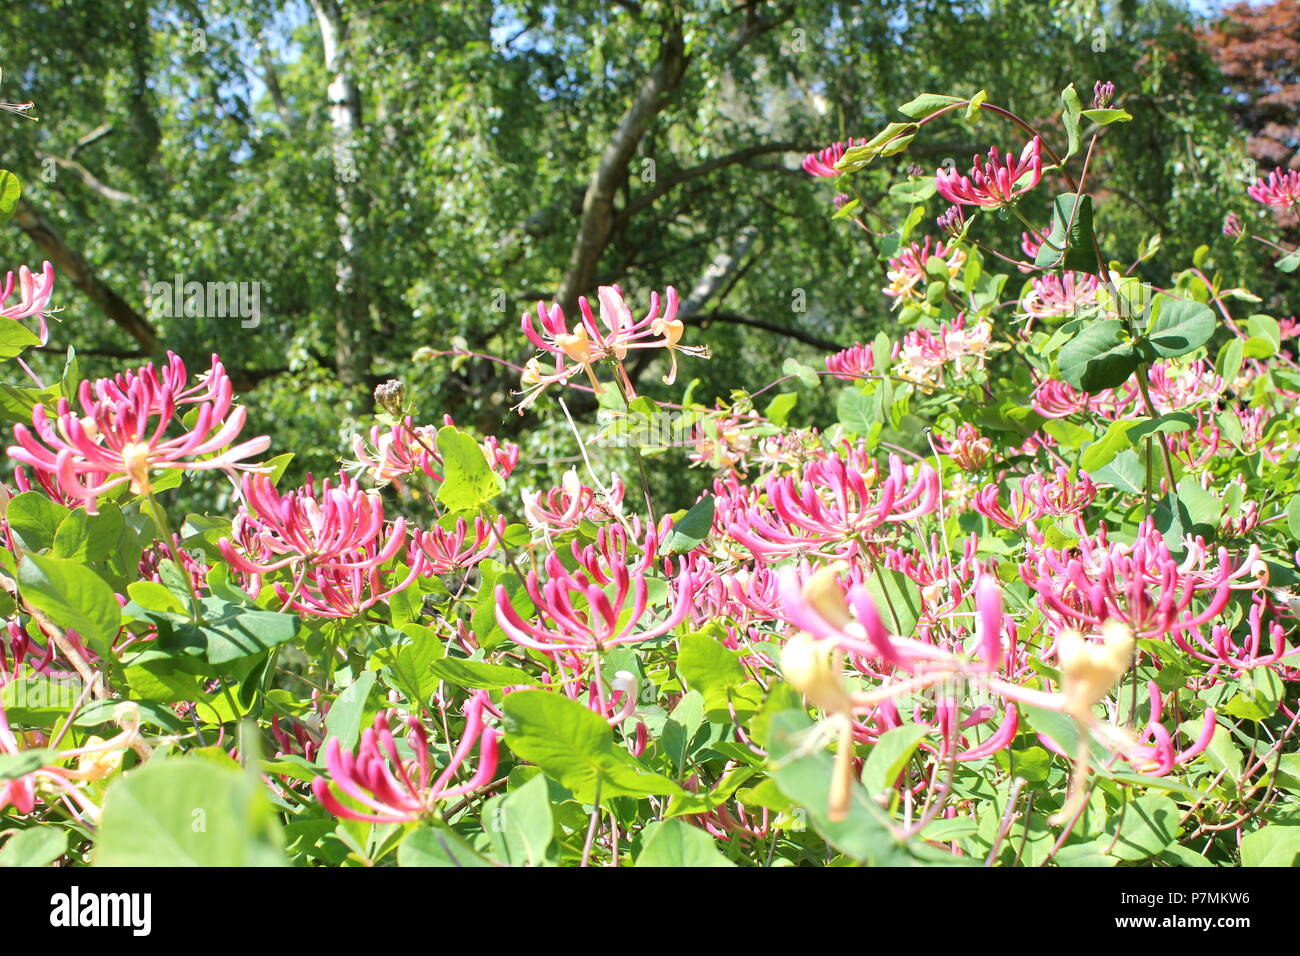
<point x="822" y="163"/>
<point x="34" y="291"/>
<point x="908" y="272"/>
<point x="1279" y="188"/>
<point x="982" y="549"/>
<point x="387" y="788"/>
<point x="995" y="182"/>
<point x="121" y="435"/>
<point x="591" y="342"/>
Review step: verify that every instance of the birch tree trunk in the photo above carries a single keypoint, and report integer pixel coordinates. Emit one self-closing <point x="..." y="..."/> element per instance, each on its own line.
<point x="352" y="325"/>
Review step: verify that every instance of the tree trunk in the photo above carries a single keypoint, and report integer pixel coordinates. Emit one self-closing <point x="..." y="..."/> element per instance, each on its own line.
<point x="598" y="202"/>
<point x="352" y="311"/>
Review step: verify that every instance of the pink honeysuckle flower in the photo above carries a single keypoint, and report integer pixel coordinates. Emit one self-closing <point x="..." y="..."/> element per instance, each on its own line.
<point x="831" y="504"/>
<point x="1056" y="399"/>
<point x="565" y="507"/>
<point x="1037" y="496"/>
<point x="1102" y="94"/>
<point x="1240" y="653"/>
<point x="1232" y="226"/>
<point x="1154" y="753"/>
<point x="34" y="293"/>
<point x="852" y="363"/>
<point x="297" y="740"/>
<point x="1055" y="296"/>
<point x="1141" y="584"/>
<point x="822" y="163"/>
<point x="821" y="608"/>
<point x="348" y="588"/>
<point x="393" y="790"/>
<point x="725" y="439"/>
<point x="406" y="448"/>
<point x="121" y="437"/>
<point x="928" y="357"/>
<point x="443" y="550"/>
<point x="995" y="183"/>
<point x="151" y="558"/>
<point x="1280" y="188"/>
<point x="337" y="524"/>
<point x="1178" y="388"/>
<point x="615" y="547"/>
<point x="574" y="613"/>
<point x="53" y="784"/>
<point x="907" y="273"/>
<point x="613" y="336"/>
<point x="969" y="450"/>
<point x="169" y="382"/>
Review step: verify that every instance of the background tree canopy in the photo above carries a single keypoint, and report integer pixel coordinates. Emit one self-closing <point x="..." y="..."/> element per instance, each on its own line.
<point x="405" y="178"/>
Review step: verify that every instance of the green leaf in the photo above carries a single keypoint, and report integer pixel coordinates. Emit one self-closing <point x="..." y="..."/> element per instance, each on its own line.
<point x="892" y="139"/>
<point x="1265" y="327"/>
<point x="914" y="191"/>
<point x="856" y="411"/>
<point x="1126" y="472"/>
<point x="1228" y="364"/>
<point x="1067" y="433"/>
<point x="927" y="104"/>
<point x="1098" y="358"/>
<point x="11" y="190"/>
<point x="805" y="777"/>
<point x="521" y="824"/>
<point x="1169" y="423"/>
<point x="13" y="766"/>
<point x="576" y="747"/>
<point x="778" y="409"/>
<point x="15" y="337"/>
<point x="89" y="538"/>
<point x="188" y="811"/>
<point x="1104" y="117"/>
<point x="1070" y="242"/>
<point x="806" y="374"/>
<point x="1147" y="826"/>
<point x="715" y="672"/>
<point x="1070" y="118"/>
<point x="890" y="755"/>
<point x="74" y="597"/>
<point x="1272" y="845"/>
<point x="898" y="597"/>
<point x="1178" y="326"/>
<point x="676" y="843"/>
<point x="1104" y="449"/>
<point x="39" y="846"/>
<point x="348" y="711"/>
<point x="1257" y="697"/>
<point x="34" y="520"/>
<point x="479" y="674"/>
<point x="1293" y="517"/>
<point x="694" y="526"/>
<point x="438" y="846"/>
<point x="227" y="632"/>
<point x="468" y="481"/>
<point x="1288" y="263"/>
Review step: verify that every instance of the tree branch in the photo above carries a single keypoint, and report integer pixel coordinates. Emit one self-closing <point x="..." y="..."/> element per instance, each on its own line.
<point x="732" y="318"/>
<point x="597" y="221"/>
<point x="71" y="264"/>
